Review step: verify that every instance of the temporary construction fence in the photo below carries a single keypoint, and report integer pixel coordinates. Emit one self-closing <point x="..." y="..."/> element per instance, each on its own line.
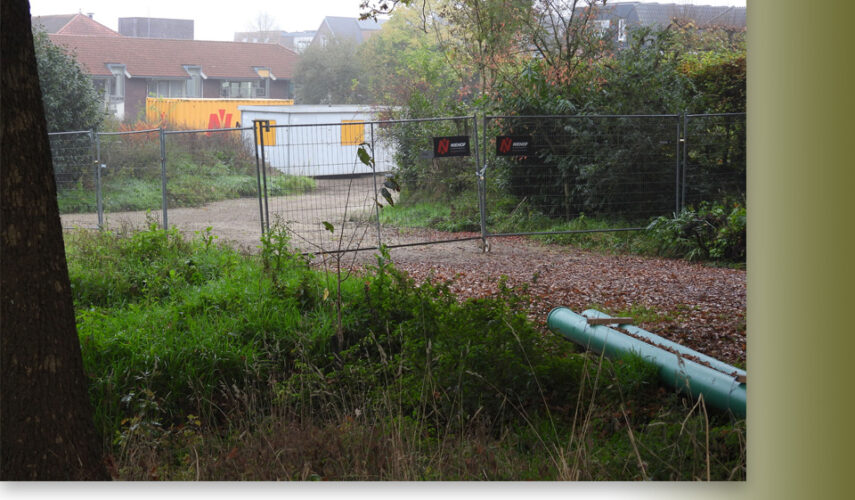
<point x="623" y="168"/>
<point x="483" y="178"/>
<point x="343" y="211"/>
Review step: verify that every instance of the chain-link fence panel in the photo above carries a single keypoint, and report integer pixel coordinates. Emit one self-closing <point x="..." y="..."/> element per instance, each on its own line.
<point x="76" y="173"/>
<point x="211" y="184"/>
<point x="330" y="197"/>
<point x="714" y="158"/>
<point x="542" y="171"/>
<point x="131" y="178"/>
<point x="317" y="187"/>
<point x="434" y="163"/>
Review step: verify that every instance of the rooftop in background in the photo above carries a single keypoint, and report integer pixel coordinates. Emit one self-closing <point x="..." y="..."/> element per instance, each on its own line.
<point x="663" y="14"/>
<point x="294" y="40"/>
<point x="150" y="57"/>
<point x="347" y="28"/>
<point x="154" y="27"/>
<point x="73" y="24"/>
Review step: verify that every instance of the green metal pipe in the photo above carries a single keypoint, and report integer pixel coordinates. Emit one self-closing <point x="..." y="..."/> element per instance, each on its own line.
<point x="720" y="390"/>
<point x="672" y="346"/>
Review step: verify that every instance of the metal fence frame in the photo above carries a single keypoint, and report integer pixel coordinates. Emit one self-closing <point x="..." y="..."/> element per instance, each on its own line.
<point x="685" y="136"/>
<point x="261" y="129"/>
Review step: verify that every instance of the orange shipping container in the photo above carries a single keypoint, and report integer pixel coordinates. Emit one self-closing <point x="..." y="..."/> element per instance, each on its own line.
<point x="203" y="114"/>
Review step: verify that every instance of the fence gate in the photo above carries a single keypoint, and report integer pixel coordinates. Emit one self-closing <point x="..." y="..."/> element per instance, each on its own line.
<point x="314" y="183"/>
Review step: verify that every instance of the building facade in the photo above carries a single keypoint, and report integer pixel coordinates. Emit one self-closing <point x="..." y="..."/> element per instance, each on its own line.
<point x="126" y="70"/>
<point x="151" y="27"/>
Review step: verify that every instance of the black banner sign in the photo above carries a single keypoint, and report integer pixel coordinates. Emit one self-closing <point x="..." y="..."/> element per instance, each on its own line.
<point x="444" y="147"/>
<point x="513" y="145"/>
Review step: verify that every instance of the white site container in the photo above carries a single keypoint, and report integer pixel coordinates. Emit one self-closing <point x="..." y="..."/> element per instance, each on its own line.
<point x="319" y="140"/>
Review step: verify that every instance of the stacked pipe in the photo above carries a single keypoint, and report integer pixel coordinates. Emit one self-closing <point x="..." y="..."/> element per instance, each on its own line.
<point x="720" y="384"/>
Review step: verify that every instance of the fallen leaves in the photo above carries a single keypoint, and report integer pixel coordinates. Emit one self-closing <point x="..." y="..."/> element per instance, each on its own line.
<point x="698" y="306"/>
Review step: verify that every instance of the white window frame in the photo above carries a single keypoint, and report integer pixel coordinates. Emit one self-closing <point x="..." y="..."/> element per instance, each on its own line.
<point x="194" y="84"/>
<point x="165" y="87"/>
<point x="117" y="82"/>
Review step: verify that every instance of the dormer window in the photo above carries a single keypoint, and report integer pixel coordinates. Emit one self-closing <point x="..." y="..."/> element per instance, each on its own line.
<point x="194" y="84"/>
<point x="113" y="87"/>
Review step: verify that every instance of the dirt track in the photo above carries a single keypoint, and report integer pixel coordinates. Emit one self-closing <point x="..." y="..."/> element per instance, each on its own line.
<point x="698" y="306"/>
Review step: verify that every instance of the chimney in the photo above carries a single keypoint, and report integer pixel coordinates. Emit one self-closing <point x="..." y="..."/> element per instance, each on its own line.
<point x="90" y="14"/>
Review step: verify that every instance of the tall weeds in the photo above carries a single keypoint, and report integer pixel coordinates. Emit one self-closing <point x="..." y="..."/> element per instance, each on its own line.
<point x="208" y="364"/>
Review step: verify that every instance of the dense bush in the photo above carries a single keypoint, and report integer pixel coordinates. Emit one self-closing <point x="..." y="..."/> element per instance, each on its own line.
<point x="70" y="100"/>
<point x="712" y="231"/>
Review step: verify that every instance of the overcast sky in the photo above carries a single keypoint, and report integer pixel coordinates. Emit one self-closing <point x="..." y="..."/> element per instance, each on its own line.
<point x="219" y="20"/>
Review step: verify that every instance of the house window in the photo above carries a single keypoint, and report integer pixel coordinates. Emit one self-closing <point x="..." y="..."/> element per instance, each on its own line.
<point x="103" y="86"/>
<point x="261" y="88"/>
<point x="602" y="26"/>
<point x="112" y="87"/>
<point x="167" y="88"/>
<point x="245" y="90"/>
<point x="194" y="84"/>
<point x="621" y="30"/>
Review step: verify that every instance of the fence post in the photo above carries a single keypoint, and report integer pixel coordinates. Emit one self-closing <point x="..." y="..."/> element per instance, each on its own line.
<point x="482" y="189"/>
<point x="266" y="125"/>
<point x="256" y="142"/>
<point x="163" y="177"/>
<point x="259" y="127"/>
<point x="95" y="141"/>
<point x="374" y="176"/>
<point x="680" y="143"/>
<point x="685" y="157"/>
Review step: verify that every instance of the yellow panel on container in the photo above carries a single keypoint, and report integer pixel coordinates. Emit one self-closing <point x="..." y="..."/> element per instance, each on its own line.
<point x="352" y="135"/>
<point x="268" y="135"/>
<point x="203" y="114"/>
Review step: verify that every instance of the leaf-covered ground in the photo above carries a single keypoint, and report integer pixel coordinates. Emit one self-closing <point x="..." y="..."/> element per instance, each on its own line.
<point x="698" y="306"/>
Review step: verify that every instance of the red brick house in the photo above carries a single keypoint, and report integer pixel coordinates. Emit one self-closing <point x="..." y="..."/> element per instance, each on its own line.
<point x="128" y="69"/>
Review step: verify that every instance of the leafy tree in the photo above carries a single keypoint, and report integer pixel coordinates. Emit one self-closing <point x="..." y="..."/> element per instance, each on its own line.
<point x="70" y="100"/>
<point x="46" y="430"/>
<point x="404" y="66"/>
<point x="644" y="78"/>
<point x="330" y="74"/>
<point x="719" y="81"/>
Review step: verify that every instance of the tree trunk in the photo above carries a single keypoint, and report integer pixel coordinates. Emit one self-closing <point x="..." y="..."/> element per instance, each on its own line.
<point x="46" y="428"/>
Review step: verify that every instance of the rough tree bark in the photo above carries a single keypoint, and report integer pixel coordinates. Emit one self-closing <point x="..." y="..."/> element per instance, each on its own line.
<point x="46" y="428"/>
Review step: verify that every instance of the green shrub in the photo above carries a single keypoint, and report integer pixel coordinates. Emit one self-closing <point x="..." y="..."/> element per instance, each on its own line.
<point x="715" y="231"/>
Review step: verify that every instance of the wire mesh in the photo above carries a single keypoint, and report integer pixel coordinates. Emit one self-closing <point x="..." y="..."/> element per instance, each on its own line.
<point x="74" y="165"/>
<point x="211" y="182"/>
<point x="340" y="197"/>
<point x="623" y="169"/>
<point x="438" y="199"/>
<point x="714" y="162"/>
<point x="620" y="169"/>
<point x="317" y="187"/>
<point x="131" y="178"/>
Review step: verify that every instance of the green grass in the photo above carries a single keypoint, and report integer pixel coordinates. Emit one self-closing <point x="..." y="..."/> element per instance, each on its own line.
<point x="506" y="214"/>
<point x="195" y="349"/>
<point x="131" y="194"/>
<point x="199" y="170"/>
<point x="667" y="237"/>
